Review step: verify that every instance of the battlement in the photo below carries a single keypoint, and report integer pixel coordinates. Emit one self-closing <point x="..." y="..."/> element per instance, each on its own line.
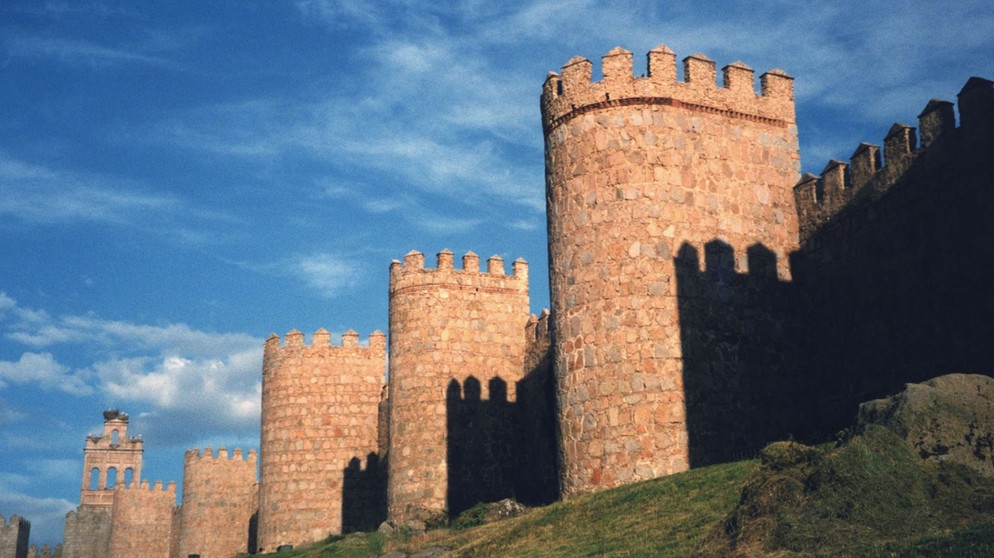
<point x="537" y="327"/>
<point x="146" y="487"/>
<point x="194" y="455"/>
<point x="413" y="274"/>
<point x="321" y="338"/>
<point x="45" y="551"/>
<point x="14" y="520"/>
<point x="573" y="92"/>
<point x="840" y="184"/>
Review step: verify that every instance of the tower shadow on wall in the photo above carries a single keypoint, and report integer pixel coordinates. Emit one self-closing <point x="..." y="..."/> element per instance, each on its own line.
<point x="740" y="362"/>
<point x="499" y="449"/>
<point x="364" y="494"/>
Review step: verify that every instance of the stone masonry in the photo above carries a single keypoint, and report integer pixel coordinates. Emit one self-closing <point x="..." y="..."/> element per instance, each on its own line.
<point x="636" y="168"/>
<point x="14" y="537"/>
<point x="142" y="522"/>
<point x="109" y="460"/>
<point x="220" y="495"/>
<point x="320" y="405"/>
<point x="136" y="520"/>
<point x="446" y="325"/>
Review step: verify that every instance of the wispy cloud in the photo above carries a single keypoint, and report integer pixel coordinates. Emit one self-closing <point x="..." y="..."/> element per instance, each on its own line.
<point x="74" y="52"/>
<point x="41" y="195"/>
<point x="329" y="274"/>
<point x="38" y="194"/>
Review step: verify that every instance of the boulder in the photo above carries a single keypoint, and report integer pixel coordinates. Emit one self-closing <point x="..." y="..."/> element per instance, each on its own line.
<point x="946" y="419"/>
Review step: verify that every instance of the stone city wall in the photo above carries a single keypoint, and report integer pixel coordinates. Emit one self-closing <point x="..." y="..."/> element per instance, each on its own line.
<point x="142" y="522"/>
<point x="635" y="169"/>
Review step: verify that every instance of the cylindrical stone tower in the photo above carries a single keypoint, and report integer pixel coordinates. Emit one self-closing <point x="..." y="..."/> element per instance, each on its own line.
<point x="446" y="326"/>
<point x="220" y="495"/>
<point x="319" y="412"/>
<point x="637" y="169"/>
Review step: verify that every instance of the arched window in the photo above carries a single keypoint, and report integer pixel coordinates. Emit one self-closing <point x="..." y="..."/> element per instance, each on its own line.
<point x="114" y="438"/>
<point x="111" y="477"/>
<point x="94" y="483"/>
<point x="129" y="474"/>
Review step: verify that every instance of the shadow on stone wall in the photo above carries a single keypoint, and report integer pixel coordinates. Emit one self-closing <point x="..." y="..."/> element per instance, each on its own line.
<point x="500" y="449"/>
<point x="741" y="379"/>
<point x="895" y="287"/>
<point x="364" y="494"/>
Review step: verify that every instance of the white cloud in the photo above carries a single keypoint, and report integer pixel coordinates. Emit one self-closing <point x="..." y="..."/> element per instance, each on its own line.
<point x="328" y="273"/>
<point x="172" y="370"/>
<point x="43" y="371"/>
<point x="226" y="388"/>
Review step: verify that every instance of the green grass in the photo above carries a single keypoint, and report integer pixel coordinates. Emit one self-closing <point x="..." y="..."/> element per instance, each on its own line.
<point x="870" y="497"/>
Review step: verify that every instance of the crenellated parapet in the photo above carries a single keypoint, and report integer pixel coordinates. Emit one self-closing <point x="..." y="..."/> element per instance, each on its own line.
<point x="871" y="171"/>
<point x="572" y="92"/>
<point x="412" y="274"/>
<point x="146" y="486"/>
<point x="321" y="340"/>
<point x="194" y="455"/>
<point x="45" y="551"/>
<point x="538" y="327"/>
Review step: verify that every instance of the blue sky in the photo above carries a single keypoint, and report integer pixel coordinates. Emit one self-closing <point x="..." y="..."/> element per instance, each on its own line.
<point x="179" y="179"/>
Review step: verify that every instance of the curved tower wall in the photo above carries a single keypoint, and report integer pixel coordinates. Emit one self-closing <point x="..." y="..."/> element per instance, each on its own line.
<point x="219" y="499"/>
<point x="637" y="168"/>
<point x="319" y="411"/>
<point x="446" y="325"/>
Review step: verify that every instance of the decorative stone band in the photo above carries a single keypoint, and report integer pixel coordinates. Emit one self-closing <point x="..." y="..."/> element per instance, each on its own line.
<point x="662" y="101"/>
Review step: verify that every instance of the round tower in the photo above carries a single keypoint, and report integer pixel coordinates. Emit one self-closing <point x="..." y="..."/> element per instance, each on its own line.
<point x="219" y="499"/>
<point x="449" y="328"/>
<point x="640" y="171"/>
<point x="319" y="412"/>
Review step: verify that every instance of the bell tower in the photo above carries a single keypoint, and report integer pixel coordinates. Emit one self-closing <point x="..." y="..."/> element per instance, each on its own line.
<point x="110" y="459"/>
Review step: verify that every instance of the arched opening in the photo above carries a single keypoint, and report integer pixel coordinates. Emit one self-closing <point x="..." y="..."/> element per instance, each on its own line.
<point x="129" y="474"/>
<point x="94" y="482"/>
<point x="114" y="438"/>
<point x="111" y="477"/>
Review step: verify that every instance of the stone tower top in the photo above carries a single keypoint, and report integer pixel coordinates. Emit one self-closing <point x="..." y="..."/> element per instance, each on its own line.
<point x="573" y="92"/>
<point x="110" y="459"/>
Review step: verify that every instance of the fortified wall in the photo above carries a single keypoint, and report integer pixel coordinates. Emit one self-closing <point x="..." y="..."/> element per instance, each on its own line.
<point x="896" y="259"/>
<point x="14" y="537"/>
<point x="704" y="303"/>
<point x="129" y="518"/>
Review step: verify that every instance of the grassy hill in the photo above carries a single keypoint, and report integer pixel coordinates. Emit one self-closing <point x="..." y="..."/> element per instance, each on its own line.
<point x="869" y="497"/>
